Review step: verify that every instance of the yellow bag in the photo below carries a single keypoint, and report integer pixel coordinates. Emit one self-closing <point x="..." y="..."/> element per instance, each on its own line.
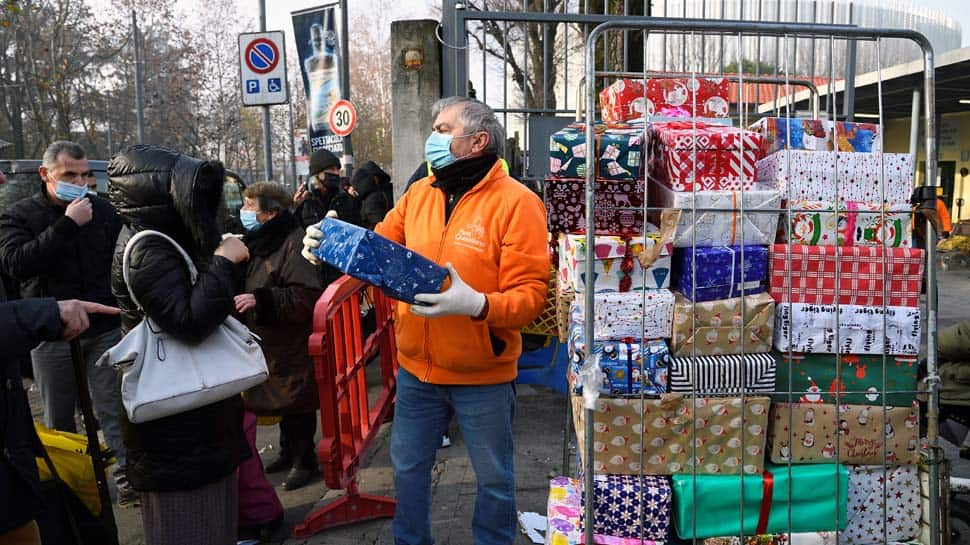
<point x="68" y="452"/>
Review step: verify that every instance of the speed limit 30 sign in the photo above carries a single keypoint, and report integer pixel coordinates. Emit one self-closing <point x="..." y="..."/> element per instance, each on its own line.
<point x="343" y="117"/>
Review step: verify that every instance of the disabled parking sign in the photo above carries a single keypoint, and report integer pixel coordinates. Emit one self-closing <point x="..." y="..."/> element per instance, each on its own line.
<point x="262" y="68"/>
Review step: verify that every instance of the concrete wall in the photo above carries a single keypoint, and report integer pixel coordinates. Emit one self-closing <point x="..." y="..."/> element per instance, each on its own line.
<point x="955" y="146"/>
<point x="414" y="89"/>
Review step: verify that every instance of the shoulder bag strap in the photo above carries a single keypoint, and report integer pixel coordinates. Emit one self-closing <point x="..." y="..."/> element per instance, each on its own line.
<point x="126" y="259"/>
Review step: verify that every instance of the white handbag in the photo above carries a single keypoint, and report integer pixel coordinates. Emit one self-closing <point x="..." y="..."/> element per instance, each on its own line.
<point x="162" y="375"/>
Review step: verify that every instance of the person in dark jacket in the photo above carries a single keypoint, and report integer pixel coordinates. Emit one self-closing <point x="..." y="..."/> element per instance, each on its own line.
<point x="372" y="188"/>
<point x="281" y="290"/>
<point x="314" y="198"/>
<point x="184" y="464"/>
<point x="25" y="323"/>
<point x="59" y="244"/>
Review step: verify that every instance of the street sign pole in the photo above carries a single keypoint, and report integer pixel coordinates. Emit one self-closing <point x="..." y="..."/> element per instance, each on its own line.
<point x="267" y="144"/>
<point x="345" y="81"/>
<point x="139" y="101"/>
<point x="292" y="142"/>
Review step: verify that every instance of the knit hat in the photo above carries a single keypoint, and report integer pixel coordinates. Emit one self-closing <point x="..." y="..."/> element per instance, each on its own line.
<point x="321" y="160"/>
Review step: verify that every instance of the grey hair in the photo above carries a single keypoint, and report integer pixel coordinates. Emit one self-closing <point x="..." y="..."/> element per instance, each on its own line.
<point x="475" y="116"/>
<point x="53" y="151"/>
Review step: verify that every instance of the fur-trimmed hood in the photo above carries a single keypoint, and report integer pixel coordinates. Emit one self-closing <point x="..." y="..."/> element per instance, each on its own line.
<point x="157" y="188"/>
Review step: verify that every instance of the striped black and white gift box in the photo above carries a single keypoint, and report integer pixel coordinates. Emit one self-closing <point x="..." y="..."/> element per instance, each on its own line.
<point x="716" y="375"/>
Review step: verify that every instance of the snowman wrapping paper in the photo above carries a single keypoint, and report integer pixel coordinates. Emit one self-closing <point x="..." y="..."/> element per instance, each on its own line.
<point x="714" y="328"/>
<point x="857" y="224"/>
<point x="813" y="379"/>
<point x="851" y="434"/>
<point x="629" y="366"/>
<point x="658" y="436"/>
<point x="627" y="99"/>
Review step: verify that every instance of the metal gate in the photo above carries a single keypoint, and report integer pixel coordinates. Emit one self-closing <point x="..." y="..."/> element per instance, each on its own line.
<point x="605" y="56"/>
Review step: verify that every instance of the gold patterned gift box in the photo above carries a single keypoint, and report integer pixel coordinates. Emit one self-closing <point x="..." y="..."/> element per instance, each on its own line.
<point x="662" y="436"/>
<point x="851" y="434"/>
<point x="715" y="327"/>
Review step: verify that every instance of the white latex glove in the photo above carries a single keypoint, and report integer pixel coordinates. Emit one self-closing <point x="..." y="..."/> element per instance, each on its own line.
<point x="313" y="239"/>
<point x="459" y="299"/>
<point x="332" y="214"/>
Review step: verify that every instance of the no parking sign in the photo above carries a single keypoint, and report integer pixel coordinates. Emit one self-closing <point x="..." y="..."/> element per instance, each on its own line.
<point x="262" y="68"/>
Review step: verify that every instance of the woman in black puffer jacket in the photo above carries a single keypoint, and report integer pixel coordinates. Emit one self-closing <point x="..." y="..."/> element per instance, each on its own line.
<point x="185" y="464"/>
<point x="372" y="187"/>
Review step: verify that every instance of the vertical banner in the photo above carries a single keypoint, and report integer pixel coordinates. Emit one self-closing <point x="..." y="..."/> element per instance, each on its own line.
<point x="318" y="48"/>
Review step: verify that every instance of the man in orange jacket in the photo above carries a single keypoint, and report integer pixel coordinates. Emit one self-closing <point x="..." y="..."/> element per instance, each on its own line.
<point x="459" y="349"/>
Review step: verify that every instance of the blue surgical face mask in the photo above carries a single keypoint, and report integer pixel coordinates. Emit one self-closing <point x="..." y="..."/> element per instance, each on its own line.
<point x="249" y="221"/>
<point x="437" y="149"/>
<point x="68" y="192"/>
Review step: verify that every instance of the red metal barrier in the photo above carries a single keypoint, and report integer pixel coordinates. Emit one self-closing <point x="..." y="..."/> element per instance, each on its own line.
<point x="349" y="424"/>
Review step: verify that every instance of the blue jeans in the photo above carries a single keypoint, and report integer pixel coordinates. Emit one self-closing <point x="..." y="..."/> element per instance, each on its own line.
<point x="421" y="416"/>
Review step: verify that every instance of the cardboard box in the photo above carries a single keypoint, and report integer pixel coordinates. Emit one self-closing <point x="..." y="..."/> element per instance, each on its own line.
<point x="723" y="375"/>
<point x="856" y="224"/>
<point x="630" y="367"/>
<point x="714" y="328"/>
<point x="631" y="506"/>
<point x="628" y="99"/>
<point x="719" y="427"/>
<point x="399" y="272"/>
<point x="824" y="175"/>
<point x="616" y="265"/>
<point x="851" y="434"/>
<point x="563" y="515"/>
<point x="646" y="314"/>
<point x="860" y="273"/>
<point x="713" y="218"/>
<point x="721" y="273"/>
<point x="813" y="379"/>
<point x="780" y="133"/>
<point x="814" y="496"/>
<point x="847" y="329"/>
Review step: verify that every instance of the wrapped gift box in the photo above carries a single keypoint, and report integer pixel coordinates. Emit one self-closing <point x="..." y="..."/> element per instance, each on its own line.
<point x="671" y="426"/>
<point x="862" y="273"/>
<point x="399" y="272"/>
<point x="813" y="495"/>
<point x="723" y="375"/>
<point x="618" y="206"/>
<point x="856" y="224"/>
<point x="717" y="327"/>
<point x="814" y="176"/>
<point x="805" y="538"/>
<point x="720" y="272"/>
<point x="631" y="506"/>
<point x="857" y="432"/>
<point x="628" y="367"/>
<point x="646" y="314"/>
<point x="780" y="133"/>
<point x="616" y="265"/>
<point x="705" y="157"/>
<point x="627" y="99"/>
<point x="847" y="329"/>
<point x="813" y="379"/>
<point x="564" y="513"/>
<point x="717" y="220"/>
<point x="619" y="152"/>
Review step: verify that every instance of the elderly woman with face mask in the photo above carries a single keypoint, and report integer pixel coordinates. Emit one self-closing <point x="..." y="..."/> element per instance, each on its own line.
<point x="280" y="291"/>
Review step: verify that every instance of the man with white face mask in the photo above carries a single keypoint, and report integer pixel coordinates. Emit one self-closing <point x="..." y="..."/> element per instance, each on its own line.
<point x="458" y="349"/>
<point x="60" y="244"/>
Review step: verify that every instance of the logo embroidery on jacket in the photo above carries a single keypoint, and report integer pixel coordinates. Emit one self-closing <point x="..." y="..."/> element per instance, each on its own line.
<point x="472" y="236"/>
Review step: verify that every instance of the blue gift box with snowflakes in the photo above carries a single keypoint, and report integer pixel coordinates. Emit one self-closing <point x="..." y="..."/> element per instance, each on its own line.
<point x="629" y="366"/>
<point x="631" y="506"/>
<point x="399" y="272"/>
<point x="722" y="272"/>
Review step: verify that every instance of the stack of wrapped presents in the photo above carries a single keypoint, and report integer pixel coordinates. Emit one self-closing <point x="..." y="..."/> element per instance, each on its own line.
<point x="751" y="373"/>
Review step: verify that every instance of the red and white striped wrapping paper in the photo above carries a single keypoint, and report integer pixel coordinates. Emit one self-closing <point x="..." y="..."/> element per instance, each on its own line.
<point x="860" y="279"/>
<point x="715" y="157"/>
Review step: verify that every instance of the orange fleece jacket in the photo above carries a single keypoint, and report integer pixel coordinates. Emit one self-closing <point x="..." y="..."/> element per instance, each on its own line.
<point x="496" y="240"/>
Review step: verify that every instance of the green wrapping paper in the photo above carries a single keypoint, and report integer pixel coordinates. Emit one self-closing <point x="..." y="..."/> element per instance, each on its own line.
<point x="815" y="502"/>
<point x="813" y="379"/>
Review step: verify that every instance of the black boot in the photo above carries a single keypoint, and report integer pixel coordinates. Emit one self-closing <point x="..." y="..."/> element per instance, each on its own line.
<point x="299" y="476"/>
<point x="281" y="463"/>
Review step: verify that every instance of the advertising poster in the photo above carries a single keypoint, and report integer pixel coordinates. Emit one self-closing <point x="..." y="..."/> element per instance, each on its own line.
<point x="318" y="47"/>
